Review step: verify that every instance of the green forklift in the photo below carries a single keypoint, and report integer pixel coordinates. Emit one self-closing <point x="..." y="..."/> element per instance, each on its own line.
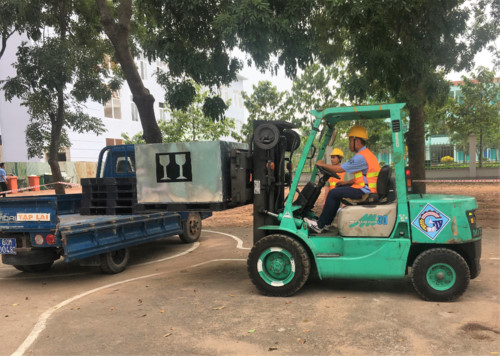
<point x="384" y="235"/>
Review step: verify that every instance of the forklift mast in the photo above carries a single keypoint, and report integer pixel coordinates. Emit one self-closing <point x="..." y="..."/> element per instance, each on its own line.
<point x="272" y="145"/>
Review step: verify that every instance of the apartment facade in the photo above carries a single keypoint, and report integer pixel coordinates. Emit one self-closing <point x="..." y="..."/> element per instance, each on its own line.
<point x="119" y="115"/>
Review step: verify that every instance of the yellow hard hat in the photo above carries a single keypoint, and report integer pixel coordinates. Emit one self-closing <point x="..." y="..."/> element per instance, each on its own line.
<point x="337" y="152"/>
<point x="358" y="131"/>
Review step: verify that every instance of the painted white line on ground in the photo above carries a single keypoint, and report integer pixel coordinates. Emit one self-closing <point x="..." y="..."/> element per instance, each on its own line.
<point x="42" y="320"/>
<point x="240" y="242"/>
<point x="194" y="247"/>
<point x="218" y="260"/>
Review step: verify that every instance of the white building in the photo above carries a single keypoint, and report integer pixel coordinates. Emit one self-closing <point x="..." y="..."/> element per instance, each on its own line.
<point x="119" y="115"/>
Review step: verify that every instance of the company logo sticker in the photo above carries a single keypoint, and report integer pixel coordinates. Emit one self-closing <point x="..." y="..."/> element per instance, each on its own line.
<point x="430" y="221"/>
<point x="33" y="217"/>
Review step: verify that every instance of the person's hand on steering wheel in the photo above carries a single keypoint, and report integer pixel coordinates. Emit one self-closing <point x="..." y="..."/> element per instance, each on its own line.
<point x="324" y="171"/>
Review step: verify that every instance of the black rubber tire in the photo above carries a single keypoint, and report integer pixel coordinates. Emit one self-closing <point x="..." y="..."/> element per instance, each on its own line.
<point x="42" y="267"/>
<point x="192" y="228"/>
<point x="292" y="251"/>
<point x="114" y="261"/>
<point x="452" y="262"/>
<point x="20" y="268"/>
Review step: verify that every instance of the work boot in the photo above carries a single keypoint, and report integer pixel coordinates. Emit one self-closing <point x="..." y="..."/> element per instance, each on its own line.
<point x="313" y="225"/>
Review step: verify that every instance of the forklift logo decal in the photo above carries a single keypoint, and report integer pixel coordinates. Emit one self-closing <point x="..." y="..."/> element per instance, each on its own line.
<point x="430" y="221"/>
<point x="370" y="220"/>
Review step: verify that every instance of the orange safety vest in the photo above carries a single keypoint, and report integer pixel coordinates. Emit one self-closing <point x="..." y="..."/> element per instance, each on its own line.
<point x="360" y="180"/>
<point x="332" y="182"/>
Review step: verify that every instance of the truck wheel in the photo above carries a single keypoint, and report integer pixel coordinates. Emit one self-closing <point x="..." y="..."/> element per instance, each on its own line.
<point x="114" y="261"/>
<point x="440" y="275"/>
<point x="42" y="267"/>
<point x="278" y="265"/>
<point x="191" y="229"/>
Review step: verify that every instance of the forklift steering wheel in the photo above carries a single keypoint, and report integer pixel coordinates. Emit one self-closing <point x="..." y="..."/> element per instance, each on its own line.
<point x="328" y="173"/>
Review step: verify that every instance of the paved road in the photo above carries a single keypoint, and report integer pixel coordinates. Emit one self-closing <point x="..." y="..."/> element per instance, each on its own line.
<point x="197" y="299"/>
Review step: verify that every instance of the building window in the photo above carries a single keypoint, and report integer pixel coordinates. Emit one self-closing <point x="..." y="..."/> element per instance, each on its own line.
<point x="112" y="109"/>
<point x="163" y="115"/>
<point x="114" y="141"/>
<point x="133" y="109"/>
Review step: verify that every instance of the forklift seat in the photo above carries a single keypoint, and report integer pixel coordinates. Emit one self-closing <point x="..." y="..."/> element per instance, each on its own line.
<point x="383" y="188"/>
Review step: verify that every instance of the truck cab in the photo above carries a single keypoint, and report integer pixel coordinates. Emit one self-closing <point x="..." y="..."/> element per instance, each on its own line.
<point x="382" y="236"/>
<point x="116" y="161"/>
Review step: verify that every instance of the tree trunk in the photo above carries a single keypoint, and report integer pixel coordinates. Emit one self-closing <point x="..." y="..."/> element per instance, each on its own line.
<point x="480" y="148"/>
<point x="55" y="134"/>
<point x="118" y="33"/>
<point x="416" y="147"/>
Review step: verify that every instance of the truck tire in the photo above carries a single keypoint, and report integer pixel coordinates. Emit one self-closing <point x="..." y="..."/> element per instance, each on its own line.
<point x="278" y="265"/>
<point x="191" y="228"/>
<point x="114" y="261"/>
<point x="42" y="267"/>
<point x="440" y="275"/>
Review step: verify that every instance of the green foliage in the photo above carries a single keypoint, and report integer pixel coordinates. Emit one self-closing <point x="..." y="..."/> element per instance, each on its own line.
<point x="72" y="54"/>
<point x="265" y="103"/>
<point x="184" y="34"/>
<point x="478" y="111"/>
<point x="192" y="124"/>
<point x="19" y="16"/>
<point x="136" y="139"/>
<point x="313" y="89"/>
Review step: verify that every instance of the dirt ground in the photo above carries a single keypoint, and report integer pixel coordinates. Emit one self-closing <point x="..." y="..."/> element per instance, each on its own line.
<point x="487" y="196"/>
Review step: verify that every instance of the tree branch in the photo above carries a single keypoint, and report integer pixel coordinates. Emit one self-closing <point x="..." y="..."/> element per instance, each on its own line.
<point x="5" y="37"/>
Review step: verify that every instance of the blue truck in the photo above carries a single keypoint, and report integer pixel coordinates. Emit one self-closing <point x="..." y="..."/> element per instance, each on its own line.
<point x="36" y="231"/>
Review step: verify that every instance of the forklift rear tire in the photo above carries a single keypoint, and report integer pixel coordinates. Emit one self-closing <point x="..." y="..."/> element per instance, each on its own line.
<point x="191" y="228"/>
<point x="114" y="261"/>
<point x="278" y="265"/>
<point x="440" y="275"/>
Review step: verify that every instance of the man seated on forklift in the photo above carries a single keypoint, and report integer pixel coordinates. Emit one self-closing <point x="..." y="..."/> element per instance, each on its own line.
<point x="336" y="158"/>
<point x="365" y="167"/>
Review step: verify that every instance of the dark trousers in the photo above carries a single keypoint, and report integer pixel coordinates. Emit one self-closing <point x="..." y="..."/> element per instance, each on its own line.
<point x="3" y="187"/>
<point x="332" y="203"/>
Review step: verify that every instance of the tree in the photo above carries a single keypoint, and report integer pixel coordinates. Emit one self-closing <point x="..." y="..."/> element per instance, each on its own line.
<point x="18" y="16"/>
<point x="57" y="73"/>
<point x="313" y="89"/>
<point x="265" y="103"/>
<point x="183" y="34"/>
<point x="119" y="34"/>
<point x="192" y="124"/>
<point x="478" y="110"/>
<point x="403" y="48"/>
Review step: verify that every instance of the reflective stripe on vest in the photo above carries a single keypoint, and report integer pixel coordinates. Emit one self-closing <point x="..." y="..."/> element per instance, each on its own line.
<point x="361" y="180"/>
<point x="333" y="181"/>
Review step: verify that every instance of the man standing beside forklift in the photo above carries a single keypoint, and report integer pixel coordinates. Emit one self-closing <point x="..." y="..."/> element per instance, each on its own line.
<point x="364" y="166"/>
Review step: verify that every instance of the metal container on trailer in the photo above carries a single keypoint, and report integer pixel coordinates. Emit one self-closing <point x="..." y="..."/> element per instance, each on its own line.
<point x="185" y="172"/>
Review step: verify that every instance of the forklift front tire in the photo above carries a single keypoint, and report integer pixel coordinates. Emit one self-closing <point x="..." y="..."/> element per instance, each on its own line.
<point x="278" y="265"/>
<point x="440" y="275"/>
